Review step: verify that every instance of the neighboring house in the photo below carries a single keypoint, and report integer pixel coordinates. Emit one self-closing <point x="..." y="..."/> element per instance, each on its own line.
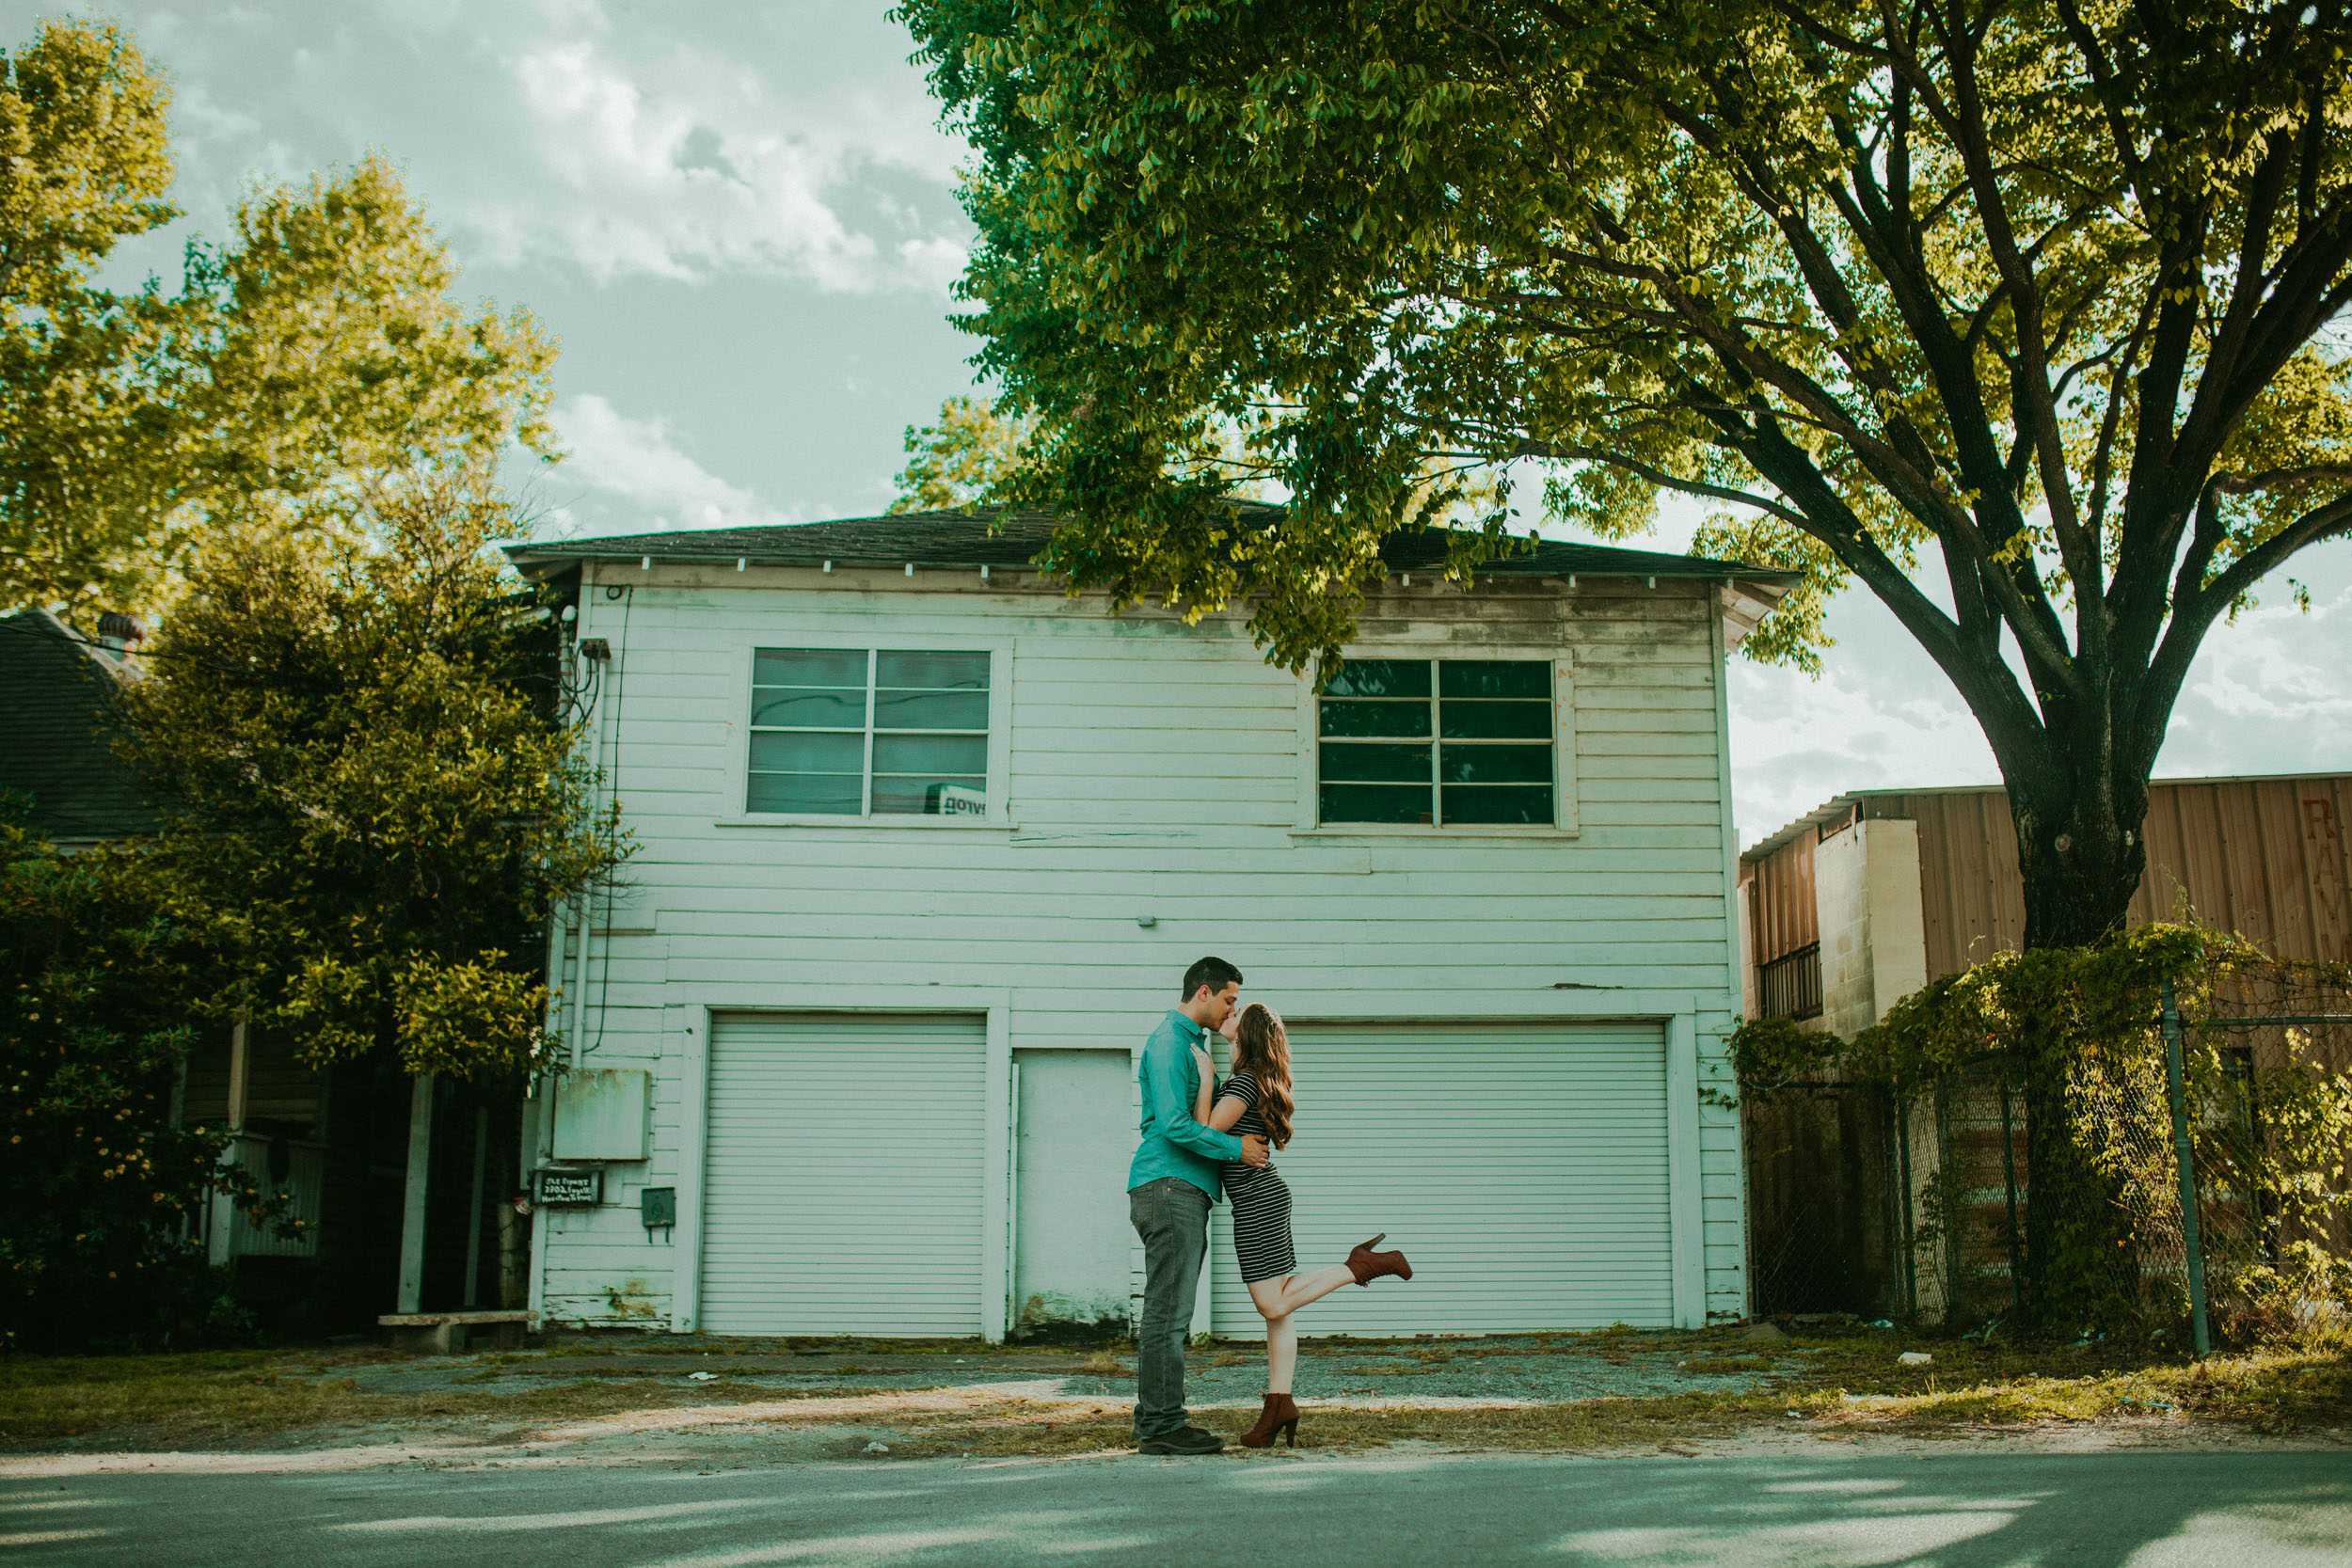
<point x="337" y="1143"/>
<point x="1857" y="903"/>
<point x="57" y="697"/>
<point x="926" y="843"/>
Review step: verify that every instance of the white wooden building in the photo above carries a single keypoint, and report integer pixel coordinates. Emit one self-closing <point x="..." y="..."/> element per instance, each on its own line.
<point x="926" y="843"/>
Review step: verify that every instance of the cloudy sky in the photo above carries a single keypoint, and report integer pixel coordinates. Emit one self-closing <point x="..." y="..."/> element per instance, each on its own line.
<point x="740" y="221"/>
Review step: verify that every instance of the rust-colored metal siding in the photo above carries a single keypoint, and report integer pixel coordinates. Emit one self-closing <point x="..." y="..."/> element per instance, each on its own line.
<point x="2262" y="857"/>
<point x="1779" y="890"/>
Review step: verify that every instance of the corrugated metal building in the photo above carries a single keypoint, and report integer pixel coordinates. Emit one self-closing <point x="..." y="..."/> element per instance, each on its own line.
<point x="1830" y="904"/>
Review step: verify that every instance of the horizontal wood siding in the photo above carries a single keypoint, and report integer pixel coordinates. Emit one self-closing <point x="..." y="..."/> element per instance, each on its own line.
<point x="1156" y="775"/>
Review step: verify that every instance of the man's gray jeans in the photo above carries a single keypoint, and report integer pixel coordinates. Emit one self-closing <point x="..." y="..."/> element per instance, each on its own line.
<point x="1172" y="1217"/>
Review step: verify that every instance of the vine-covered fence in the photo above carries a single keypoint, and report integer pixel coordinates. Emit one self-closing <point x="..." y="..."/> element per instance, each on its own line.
<point x="2152" y="1136"/>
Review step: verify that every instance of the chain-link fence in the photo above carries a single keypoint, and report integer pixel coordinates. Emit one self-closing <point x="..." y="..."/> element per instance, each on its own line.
<point x="1983" y="1191"/>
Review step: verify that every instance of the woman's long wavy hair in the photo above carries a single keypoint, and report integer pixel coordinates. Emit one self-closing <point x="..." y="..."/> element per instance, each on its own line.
<point x="1261" y="1050"/>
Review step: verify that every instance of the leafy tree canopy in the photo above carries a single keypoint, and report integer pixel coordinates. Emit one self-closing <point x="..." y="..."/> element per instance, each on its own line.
<point x="2018" y="313"/>
<point x="967" y="460"/>
<point x="314" y="348"/>
<point x="373" y="801"/>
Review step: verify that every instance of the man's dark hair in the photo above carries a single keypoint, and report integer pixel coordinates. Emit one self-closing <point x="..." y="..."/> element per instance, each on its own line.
<point x="1216" y="973"/>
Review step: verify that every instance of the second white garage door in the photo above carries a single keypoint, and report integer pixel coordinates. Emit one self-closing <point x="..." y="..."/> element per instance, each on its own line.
<point x="842" y="1183"/>
<point x="1522" y="1168"/>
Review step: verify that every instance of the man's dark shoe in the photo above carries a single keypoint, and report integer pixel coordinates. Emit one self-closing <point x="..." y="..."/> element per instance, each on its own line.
<point x="1183" y="1440"/>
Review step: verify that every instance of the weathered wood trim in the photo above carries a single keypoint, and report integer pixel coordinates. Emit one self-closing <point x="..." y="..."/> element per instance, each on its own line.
<point x="1687" y="1215"/>
<point x="686" y="1276"/>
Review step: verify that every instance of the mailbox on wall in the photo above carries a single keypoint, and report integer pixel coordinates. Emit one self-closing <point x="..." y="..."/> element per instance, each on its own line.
<point x="603" y="1114"/>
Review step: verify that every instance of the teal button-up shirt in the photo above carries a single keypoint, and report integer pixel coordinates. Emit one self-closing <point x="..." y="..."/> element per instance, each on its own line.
<point x="1174" y="1144"/>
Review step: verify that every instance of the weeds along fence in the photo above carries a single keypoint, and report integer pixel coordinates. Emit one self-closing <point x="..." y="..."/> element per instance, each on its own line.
<point x="2148" y="1136"/>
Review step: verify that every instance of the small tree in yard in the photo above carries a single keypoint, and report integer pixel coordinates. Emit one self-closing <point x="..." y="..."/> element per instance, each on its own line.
<point x="373" y="802"/>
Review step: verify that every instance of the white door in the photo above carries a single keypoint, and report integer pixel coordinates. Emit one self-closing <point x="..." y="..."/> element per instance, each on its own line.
<point x="1520" y="1168"/>
<point x="1071" y="1233"/>
<point x="843" y="1173"/>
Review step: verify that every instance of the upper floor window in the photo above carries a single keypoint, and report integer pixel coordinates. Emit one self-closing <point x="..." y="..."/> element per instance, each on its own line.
<point x="862" y="732"/>
<point x="1438" y="742"/>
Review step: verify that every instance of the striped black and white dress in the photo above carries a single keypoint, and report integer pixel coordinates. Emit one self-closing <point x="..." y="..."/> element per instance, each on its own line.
<point x="1260" y="1198"/>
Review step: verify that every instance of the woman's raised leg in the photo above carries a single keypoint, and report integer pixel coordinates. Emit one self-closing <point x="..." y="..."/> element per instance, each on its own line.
<point x="1279" y="1298"/>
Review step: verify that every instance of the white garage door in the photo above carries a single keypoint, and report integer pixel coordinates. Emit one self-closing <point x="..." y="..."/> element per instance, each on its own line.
<point x="843" y="1175"/>
<point x="1522" y="1168"/>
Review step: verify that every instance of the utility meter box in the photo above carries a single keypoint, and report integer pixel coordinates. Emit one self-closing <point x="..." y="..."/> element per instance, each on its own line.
<point x="603" y="1114"/>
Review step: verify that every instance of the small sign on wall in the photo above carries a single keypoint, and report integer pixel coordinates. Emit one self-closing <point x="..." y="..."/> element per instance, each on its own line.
<point x="554" y="1186"/>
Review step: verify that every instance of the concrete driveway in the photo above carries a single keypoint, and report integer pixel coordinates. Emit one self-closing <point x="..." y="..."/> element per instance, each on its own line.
<point x="1810" y="1504"/>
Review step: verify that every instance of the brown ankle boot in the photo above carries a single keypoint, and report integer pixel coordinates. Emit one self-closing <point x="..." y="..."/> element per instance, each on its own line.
<point x="1368" y="1265"/>
<point x="1281" y="1414"/>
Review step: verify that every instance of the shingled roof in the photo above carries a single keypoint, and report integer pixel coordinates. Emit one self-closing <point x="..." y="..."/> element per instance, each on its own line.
<point x="56" y="706"/>
<point x="1013" y="539"/>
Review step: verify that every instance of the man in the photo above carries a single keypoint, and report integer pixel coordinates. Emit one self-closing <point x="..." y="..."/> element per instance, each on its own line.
<point x="1169" y="1188"/>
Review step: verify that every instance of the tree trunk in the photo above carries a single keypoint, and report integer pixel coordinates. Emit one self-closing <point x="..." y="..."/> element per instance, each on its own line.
<point x="2081" y="854"/>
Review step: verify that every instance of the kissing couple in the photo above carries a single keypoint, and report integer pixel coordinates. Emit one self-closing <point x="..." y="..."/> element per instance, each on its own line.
<point x="1200" y="1135"/>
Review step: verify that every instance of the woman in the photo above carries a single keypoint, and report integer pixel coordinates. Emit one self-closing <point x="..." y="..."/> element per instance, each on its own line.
<point x="1257" y="1099"/>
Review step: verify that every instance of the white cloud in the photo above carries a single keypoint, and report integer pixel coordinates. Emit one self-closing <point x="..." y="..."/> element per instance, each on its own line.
<point x="636" y="463"/>
<point x="683" y="164"/>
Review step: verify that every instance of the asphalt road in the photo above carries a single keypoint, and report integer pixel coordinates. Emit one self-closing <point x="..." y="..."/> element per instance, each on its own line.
<point x="1951" y="1510"/>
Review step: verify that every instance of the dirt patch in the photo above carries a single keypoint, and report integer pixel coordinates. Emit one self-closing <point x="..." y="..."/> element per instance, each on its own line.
<point x="1614" y="1391"/>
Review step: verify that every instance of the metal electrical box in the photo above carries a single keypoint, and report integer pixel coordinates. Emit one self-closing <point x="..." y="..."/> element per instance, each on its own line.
<point x="603" y="1114"/>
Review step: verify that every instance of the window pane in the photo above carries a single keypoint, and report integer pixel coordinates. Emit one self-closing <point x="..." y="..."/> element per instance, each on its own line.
<point x="1380" y="677"/>
<point x="1459" y="720"/>
<point x="1493" y="765"/>
<point x="1361" y="762"/>
<point x="832" y="794"/>
<point x="1463" y="803"/>
<point x="808" y="709"/>
<point x="817" y="753"/>
<point x="931" y="672"/>
<point x="1355" y="802"/>
<point x="1357" y="718"/>
<point x="934" y="795"/>
<point x="809" y="667"/>
<point x="1493" y="678"/>
<point x="930" y="753"/>
<point x="930" y="710"/>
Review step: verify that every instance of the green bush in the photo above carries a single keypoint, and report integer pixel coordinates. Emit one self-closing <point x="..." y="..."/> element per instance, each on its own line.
<point x="96" y="1234"/>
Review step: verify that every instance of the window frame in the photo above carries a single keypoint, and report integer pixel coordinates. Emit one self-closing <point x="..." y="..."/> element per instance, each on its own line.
<point x="999" y="817"/>
<point x="1564" y="822"/>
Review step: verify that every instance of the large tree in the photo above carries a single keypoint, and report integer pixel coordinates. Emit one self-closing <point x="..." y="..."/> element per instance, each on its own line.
<point x="314" y="350"/>
<point x="373" y="795"/>
<point x="2018" y="311"/>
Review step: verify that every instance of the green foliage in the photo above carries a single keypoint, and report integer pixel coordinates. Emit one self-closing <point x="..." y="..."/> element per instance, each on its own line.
<point x="101" y="1187"/>
<point x="315" y="352"/>
<point x="2024" y="301"/>
<point x="964" y="462"/>
<point x="2075" y="1035"/>
<point x="373" y="805"/>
